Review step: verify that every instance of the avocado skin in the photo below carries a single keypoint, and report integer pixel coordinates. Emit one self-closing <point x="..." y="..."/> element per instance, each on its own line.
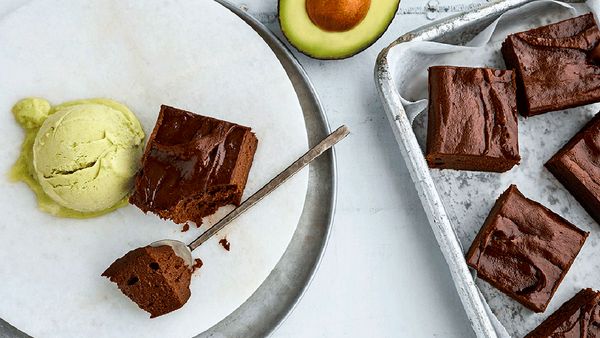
<point x="358" y="51"/>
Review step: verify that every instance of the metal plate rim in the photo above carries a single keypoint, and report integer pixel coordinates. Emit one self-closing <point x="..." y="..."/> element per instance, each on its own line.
<point x="328" y="161"/>
<point x="278" y="46"/>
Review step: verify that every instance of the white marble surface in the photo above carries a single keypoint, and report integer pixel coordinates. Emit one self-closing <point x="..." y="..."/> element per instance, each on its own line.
<point x="131" y="31"/>
<point x="382" y="275"/>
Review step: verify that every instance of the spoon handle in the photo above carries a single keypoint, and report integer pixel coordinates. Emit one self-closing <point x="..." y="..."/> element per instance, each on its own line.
<point x="290" y="171"/>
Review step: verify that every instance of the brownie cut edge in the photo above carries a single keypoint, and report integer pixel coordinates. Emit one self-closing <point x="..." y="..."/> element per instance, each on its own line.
<point x="577" y="167"/>
<point x="155" y="278"/>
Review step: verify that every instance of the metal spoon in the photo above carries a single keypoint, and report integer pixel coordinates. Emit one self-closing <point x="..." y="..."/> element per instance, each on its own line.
<point x="185" y="251"/>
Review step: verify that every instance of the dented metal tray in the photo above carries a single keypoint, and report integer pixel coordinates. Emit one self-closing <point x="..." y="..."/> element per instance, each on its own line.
<point x="437" y="203"/>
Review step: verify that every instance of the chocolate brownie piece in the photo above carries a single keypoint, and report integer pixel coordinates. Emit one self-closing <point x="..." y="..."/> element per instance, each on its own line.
<point x="472" y="119"/>
<point x="555" y="65"/>
<point x="524" y="249"/>
<point x="155" y="278"/>
<point x="577" y="167"/>
<point x="578" y="317"/>
<point x="193" y="165"/>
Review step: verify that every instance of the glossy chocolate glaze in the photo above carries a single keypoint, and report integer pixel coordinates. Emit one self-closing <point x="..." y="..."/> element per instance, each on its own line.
<point x="524" y="249"/>
<point x="577" y="167"/>
<point x="556" y="65"/>
<point x="193" y="161"/>
<point x="472" y="119"/>
<point x="579" y="317"/>
<point x="595" y="55"/>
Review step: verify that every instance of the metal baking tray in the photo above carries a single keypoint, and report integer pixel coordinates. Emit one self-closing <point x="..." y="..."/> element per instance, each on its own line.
<point x="438" y="202"/>
<point x="270" y="304"/>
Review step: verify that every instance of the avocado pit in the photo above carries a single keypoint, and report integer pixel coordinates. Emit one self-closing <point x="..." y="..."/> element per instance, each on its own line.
<point x="337" y="15"/>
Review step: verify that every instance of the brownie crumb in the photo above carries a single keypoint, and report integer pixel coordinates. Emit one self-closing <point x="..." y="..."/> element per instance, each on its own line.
<point x="225" y="244"/>
<point x="186" y="227"/>
<point x="197" y="264"/>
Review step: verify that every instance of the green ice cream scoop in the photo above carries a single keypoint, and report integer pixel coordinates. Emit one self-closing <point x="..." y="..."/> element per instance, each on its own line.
<point x="86" y="154"/>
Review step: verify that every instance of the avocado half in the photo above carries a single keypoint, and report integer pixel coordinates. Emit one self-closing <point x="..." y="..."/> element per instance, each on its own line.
<point x="325" y="43"/>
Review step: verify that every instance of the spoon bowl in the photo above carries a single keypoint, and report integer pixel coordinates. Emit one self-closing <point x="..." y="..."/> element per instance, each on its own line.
<point x="180" y="249"/>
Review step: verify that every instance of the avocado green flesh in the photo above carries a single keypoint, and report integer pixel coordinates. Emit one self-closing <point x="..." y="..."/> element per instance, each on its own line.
<point x="318" y="43"/>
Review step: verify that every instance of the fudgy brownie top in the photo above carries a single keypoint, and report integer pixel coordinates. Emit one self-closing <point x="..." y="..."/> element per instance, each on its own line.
<point x="578" y="317"/>
<point x="524" y="249"/>
<point x="192" y="165"/>
<point x="472" y="118"/>
<point x="556" y="65"/>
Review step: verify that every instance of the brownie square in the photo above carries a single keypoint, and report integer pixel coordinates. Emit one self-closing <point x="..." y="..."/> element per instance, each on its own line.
<point x="155" y="278"/>
<point x="555" y="65"/>
<point x="193" y="165"/>
<point x="578" y="317"/>
<point x="577" y="167"/>
<point x="472" y="119"/>
<point x="524" y="249"/>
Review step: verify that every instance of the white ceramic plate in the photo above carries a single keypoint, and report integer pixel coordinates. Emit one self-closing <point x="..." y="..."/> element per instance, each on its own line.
<point x="195" y="55"/>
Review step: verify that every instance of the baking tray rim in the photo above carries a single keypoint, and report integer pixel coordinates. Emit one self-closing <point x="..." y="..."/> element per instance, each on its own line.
<point x="473" y="302"/>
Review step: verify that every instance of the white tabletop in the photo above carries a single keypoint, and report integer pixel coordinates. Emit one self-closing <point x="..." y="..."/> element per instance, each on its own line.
<point x="383" y="274"/>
